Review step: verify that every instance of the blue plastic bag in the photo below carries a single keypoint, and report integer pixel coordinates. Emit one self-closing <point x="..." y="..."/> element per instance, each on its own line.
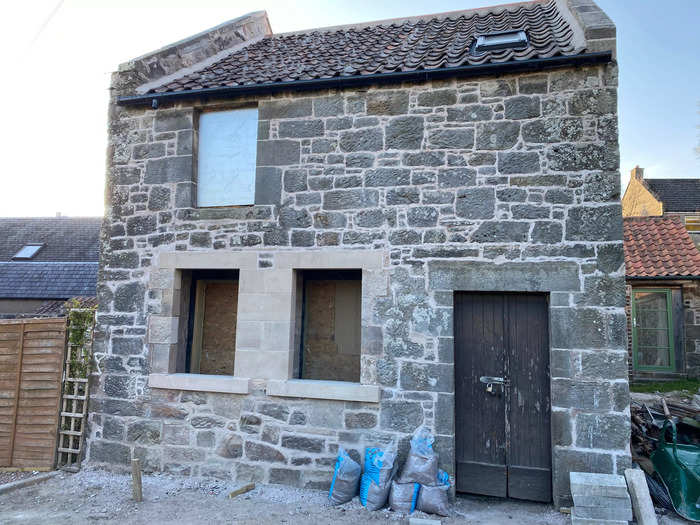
<point x="403" y="497"/>
<point x="346" y="478"/>
<point x="380" y="467"/>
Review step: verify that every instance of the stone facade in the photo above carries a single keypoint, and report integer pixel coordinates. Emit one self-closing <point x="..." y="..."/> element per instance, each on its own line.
<point x="497" y="184"/>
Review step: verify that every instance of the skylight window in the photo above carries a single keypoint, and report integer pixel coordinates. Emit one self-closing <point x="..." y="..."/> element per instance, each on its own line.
<point x="28" y="251"/>
<point x="501" y="40"/>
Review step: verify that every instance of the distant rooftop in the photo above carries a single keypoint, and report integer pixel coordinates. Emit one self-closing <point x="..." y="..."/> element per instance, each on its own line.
<point x="678" y="195"/>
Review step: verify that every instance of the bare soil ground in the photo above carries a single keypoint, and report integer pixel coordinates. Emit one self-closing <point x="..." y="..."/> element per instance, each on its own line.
<point x="94" y="496"/>
<point x="97" y="496"/>
<point x="12" y="476"/>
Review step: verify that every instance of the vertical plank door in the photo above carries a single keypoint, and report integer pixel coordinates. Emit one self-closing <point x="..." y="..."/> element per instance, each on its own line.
<point x="503" y="436"/>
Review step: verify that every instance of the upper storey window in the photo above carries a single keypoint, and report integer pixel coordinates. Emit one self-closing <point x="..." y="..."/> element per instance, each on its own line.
<point x="226" y="157"/>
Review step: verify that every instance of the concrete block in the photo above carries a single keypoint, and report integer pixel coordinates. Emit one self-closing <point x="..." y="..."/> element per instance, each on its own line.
<point x="603" y="513"/>
<point x="601" y="501"/>
<point x="641" y="500"/>
<point x="259" y="364"/>
<point x="586" y="521"/>
<point x="590" y="484"/>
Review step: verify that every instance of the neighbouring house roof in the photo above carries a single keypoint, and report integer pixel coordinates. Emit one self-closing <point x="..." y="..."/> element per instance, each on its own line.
<point x="431" y="42"/>
<point x="659" y="247"/>
<point x="677" y="195"/>
<point x="65" y="265"/>
<point x="58" y="308"/>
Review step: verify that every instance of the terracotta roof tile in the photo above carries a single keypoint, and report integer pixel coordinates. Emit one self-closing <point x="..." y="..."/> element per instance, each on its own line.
<point x="659" y="247"/>
<point x="443" y="41"/>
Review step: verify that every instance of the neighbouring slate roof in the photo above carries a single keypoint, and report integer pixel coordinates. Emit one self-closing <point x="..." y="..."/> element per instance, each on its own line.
<point x="659" y="247"/>
<point x="64" y="238"/>
<point x="29" y="280"/>
<point x="677" y="195"/>
<point x="421" y="43"/>
<point x="65" y="266"/>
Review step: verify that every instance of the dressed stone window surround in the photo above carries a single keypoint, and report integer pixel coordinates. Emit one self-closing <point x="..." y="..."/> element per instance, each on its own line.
<point x="265" y="326"/>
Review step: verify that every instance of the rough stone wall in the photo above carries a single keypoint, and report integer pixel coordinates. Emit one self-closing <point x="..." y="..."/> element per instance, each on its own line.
<point x="507" y="183"/>
<point x="691" y="311"/>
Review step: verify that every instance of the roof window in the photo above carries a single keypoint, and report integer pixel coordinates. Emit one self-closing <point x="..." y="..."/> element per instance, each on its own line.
<point x="500" y="40"/>
<point x="28" y="251"/>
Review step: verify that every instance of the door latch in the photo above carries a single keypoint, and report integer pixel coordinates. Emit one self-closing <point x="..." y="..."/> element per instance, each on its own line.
<point x="491" y="381"/>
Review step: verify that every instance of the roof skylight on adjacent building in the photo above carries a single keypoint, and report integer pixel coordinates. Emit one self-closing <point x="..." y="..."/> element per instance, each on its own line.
<point x="28" y="251"/>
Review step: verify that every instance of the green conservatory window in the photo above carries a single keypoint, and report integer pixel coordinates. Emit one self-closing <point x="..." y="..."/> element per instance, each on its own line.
<point x="652" y="329"/>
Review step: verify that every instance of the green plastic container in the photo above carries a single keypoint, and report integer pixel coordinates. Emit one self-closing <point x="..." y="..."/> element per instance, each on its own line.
<point x="679" y="469"/>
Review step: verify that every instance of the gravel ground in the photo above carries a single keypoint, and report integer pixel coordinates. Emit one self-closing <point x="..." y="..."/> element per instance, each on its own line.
<point x="9" y="477"/>
<point x="94" y="496"/>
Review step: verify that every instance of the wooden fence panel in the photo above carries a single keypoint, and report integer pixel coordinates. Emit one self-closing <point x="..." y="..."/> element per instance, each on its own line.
<point x="31" y="365"/>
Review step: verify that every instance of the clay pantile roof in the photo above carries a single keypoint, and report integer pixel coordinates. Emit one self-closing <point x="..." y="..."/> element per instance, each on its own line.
<point x="678" y="195"/>
<point x="659" y="247"/>
<point x="399" y="45"/>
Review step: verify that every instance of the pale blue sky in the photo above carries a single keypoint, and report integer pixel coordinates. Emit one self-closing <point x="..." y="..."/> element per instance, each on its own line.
<point x="54" y="81"/>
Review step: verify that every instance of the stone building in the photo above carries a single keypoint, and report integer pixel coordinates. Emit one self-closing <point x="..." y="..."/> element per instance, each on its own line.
<point x="663" y="298"/>
<point x="332" y="237"/>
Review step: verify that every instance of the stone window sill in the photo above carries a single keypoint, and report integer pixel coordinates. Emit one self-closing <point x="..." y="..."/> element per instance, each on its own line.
<point x="315" y="389"/>
<point x="200" y="383"/>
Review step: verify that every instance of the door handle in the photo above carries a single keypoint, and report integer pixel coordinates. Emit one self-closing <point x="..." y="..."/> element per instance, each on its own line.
<point x="492" y="379"/>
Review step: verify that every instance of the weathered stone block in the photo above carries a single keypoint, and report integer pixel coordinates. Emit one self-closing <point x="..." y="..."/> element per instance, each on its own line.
<point x="348" y="199"/>
<point x="278" y="152"/>
<point x="497" y="135"/>
<point x="168" y="170"/>
<point x="594" y="223"/>
<point x="471" y="113"/>
<point x="148" y="151"/>
<point x="356" y="420"/>
<point x="401" y="416"/>
<point x="144" y="432"/>
<point x="387" y="177"/>
<point x="259" y="452"/>
<point x="522" y="107"/>
<point x="387" y="103"/>
<point x="366" y="139"/>
<point x="510" y="276"/>
<point x="285" y="108"/>
<point x="593" y="102"/>
<point x="455" y="177"/>
<point x="518" y="162"/>
<point x="404" y="133"/>
<point x="285" y="476"/>
<point x="552" y="130"/>
<point x="476" y="203"/>
<point x="106" y="452"/>
<point x="606" y="431"/>
<point x="438" y="97"/>
<point x="141" y="225"/>
<point x="231" y="446"/>
<point x="329" y="106"/>
<point x="452" y="138"/>
<point x="303" y="443"/>
<point x="172" y="120"/>
<point x="295" y="180"/>
<point x="424" y="158"/>
<point x="300" y="128"/>
<point x="422" y="216"/>
<point x="501" y="231"/>
<point x="268" y="185"/>
<point x="577" y="157"/>
<point x="432" y="377"/>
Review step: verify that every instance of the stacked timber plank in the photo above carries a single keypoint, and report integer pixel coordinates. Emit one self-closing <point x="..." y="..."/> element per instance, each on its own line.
<point x="599" y="499"/>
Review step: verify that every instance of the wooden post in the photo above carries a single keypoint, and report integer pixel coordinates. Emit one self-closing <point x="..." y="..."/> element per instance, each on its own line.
<point x="136" y="479"/>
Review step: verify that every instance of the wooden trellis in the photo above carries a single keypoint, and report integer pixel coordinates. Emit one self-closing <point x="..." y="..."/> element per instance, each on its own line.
<point x="73" y="420"/>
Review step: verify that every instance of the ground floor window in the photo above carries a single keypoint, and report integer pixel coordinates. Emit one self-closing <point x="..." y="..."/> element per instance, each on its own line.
<point x="328" y="321"/>
<point x="652" y="329"/>
<point x="213" y="308"/>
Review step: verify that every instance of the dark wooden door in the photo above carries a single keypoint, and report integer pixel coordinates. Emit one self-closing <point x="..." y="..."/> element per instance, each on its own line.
<point x="503" y="442"/>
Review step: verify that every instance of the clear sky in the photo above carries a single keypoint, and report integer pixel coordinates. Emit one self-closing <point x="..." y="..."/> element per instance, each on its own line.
<point x="57" y="58"/>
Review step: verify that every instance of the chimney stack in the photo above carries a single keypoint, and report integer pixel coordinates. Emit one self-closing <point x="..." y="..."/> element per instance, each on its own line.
<point x="637" y="173"/>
